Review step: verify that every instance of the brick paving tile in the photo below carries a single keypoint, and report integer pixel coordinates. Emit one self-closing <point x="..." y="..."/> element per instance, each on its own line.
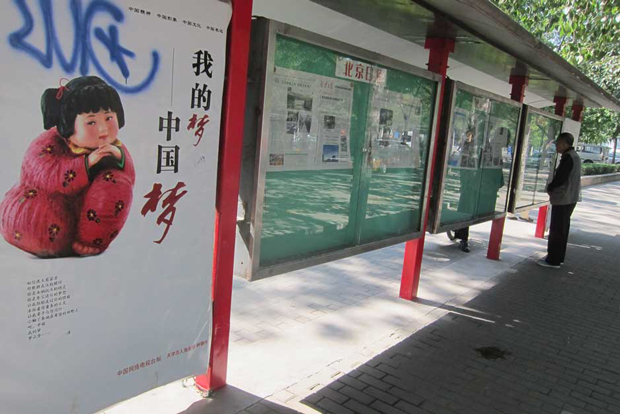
<point x="360" y="408"/>
<point x="381" y="395"/>
<point x="386" y="408"/>
<point x="333" y="407"/>
<point x="358" y="396"/>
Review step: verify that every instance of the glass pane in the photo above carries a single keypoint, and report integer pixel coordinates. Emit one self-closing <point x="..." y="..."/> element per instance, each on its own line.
<point x="399" y="127"/>
<point x="529" y="169"/>
<point x="497" y="155"/>
<point x="480" y="157"/>
<point x="317" y="127"/>
<point x="463" y="175"/>
<point x="298" y="219"/>
<point x="547" y="165"/>
<point x="346" y="159"/>
<point x="538" y="158"/>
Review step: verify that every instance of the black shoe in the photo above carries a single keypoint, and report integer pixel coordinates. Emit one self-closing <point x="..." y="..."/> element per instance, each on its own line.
<point x="463" y="246"/>
<point x="547" y="258"/>
<point x="545" y="263"/>
<point x="450" y="234"/>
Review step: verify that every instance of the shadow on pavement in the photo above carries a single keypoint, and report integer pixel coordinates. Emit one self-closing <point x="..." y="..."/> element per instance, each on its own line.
<point x="560" y="328"/>
<point x="230" y="400"/>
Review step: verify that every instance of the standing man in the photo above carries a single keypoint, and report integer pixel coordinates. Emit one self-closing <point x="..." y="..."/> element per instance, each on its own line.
<point x="564" y="193"/>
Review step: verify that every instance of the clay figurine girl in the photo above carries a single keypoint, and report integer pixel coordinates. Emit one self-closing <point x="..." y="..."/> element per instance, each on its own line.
<point x="77" y="178"/>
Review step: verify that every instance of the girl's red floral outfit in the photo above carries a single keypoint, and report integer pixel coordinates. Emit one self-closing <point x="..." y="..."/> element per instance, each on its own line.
<point x="60" y="199"/>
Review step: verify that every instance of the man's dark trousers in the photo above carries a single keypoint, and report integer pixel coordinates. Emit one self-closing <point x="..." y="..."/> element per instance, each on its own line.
<point x="462" y="234"/>
<point x="558" y="233"/>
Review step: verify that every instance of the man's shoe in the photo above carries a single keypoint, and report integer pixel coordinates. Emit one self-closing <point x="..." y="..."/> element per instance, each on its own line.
<point x="463" y="246"/>
<point x="547" y="258"/>
<point x="545" y="263"/>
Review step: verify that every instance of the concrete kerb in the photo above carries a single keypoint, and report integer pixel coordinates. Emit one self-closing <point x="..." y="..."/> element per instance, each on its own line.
<point x="590" y="180"/>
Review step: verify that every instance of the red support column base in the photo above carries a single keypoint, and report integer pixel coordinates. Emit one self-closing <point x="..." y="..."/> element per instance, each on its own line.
<point x="541" y="222"/>
<point x="495" y="242"/>
<point x="202" y="382"/>
<point x="412" y="266"/>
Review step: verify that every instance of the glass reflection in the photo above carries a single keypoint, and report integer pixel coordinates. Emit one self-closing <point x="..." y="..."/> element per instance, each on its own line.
<point x="538" y="159"/>
<point x="479" y="160"/>
<point x="399" y="124"/>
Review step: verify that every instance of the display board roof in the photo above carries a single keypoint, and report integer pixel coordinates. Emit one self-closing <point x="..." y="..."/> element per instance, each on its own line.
<point x="486" y="39"/>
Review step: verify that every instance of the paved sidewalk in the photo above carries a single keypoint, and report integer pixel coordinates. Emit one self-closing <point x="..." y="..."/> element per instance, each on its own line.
<point x="335" y="338"/>
<point x="560" y="330"/>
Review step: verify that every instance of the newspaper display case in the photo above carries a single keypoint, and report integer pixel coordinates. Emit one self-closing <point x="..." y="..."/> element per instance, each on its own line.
<point x="475" y="158"/>
<point x="336" y="150"/>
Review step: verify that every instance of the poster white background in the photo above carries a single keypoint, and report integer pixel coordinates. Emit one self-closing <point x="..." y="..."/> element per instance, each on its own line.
<point x="139" y="300"/>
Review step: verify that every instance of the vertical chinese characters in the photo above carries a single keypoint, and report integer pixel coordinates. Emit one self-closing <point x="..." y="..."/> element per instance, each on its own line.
<point x="201" y="94"/>
<point x="168" y="155"/>
<point x="167" y="161"/>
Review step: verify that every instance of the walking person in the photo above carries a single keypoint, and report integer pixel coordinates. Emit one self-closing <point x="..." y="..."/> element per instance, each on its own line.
<point x="468" y="174"/>
<point x="463" y="236"/>
<point x="564" y="193"/>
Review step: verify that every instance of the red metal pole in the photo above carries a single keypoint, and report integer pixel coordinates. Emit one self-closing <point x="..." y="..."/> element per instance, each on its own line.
<point x="440" y="49"/>
<point x="497" y="228"/>
<point x="495" y="240"/>
<point x="227" y="193"/>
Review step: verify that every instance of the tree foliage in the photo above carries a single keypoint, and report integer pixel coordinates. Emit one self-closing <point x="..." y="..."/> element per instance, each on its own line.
<point x="587" y="34"/>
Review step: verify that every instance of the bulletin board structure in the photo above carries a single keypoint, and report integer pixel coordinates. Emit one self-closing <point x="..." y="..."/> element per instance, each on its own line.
<point x="475" y="157"/>
<point x="336" y="151"/>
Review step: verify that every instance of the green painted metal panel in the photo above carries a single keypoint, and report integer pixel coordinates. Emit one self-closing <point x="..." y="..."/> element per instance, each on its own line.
<point x="379" y="194"/>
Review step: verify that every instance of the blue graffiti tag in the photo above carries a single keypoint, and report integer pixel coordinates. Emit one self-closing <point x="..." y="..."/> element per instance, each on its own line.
<point x="83" y="51"/>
